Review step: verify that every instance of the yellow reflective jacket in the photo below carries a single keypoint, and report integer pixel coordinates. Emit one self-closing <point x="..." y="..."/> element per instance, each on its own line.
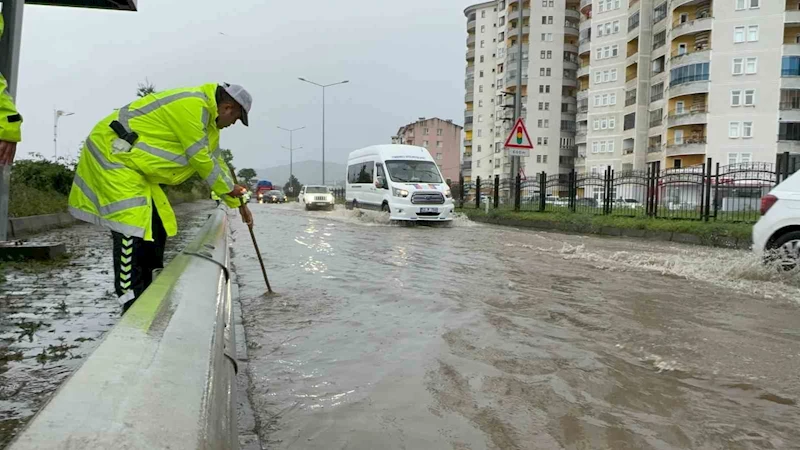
<point x="178" y="137"/>
<point x="214" y="195"/>
<point x="10" y="120"/>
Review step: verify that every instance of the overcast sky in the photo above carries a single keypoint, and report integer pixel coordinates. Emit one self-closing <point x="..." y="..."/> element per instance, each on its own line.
<point x="404" y="60"/>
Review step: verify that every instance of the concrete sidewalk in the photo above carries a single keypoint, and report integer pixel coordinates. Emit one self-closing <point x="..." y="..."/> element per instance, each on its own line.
<point x="53" y="314"/>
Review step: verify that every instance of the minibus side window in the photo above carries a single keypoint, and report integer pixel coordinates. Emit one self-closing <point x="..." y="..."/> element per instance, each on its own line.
<point x="382" y="176"/>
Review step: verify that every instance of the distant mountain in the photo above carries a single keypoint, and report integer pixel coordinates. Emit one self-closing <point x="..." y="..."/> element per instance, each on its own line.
<point x="307" y="172"/>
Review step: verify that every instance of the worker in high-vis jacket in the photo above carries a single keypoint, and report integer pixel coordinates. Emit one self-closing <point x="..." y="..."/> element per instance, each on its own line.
<point x="10" y="120"/>
<point x="160" y="139"/>
<point x="215" y="197"/>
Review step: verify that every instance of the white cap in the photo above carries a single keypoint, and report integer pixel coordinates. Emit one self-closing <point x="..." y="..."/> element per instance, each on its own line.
<point x="242" y="97"/>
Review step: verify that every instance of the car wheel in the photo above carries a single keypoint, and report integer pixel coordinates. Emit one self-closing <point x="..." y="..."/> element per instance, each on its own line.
<point x="385" y="208"/>
<point x="785" y="251"/>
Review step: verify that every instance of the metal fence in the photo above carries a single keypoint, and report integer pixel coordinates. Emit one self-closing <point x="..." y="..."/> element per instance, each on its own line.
<point x="707" y="191"/>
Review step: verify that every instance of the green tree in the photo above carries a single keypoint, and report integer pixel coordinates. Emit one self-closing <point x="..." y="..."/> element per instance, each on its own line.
<point x="145" y="88"/>
<point x="227" y="156"/>
<point x="292" y="187"/>
<point x="247" y="176"/>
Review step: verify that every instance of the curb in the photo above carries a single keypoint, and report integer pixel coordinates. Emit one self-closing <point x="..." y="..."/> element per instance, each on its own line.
<point x="22" y="226"/>
<point x="663" y="236"/>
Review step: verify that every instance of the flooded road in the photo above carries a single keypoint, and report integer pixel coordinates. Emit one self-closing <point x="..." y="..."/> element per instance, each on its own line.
<point x="481" y="337"/>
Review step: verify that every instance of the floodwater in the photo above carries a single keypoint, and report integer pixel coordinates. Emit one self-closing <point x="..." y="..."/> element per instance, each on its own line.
<point x="53" y="315"/>
<point x="483" y="337"/>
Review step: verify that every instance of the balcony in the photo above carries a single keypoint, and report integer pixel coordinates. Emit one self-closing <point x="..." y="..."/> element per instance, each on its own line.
<point x="791" y="17"/>
<point x="633" y="59"/>
<point x="511" y="77"/>
<point x="690" y="87"/>
<point x="470" y="72"/>
<point x="471" y="55"/>
<point x="471" y="25"/>
<point x="469" y="97"/>
<point x="572" y="14"/>
<point x="468" y="126"/>
<point x="655" y="149"/>
<point x="466" y="166"/>
<point x="572" y="66"/>
<point x="571" y="29"/>
<point x="570" y="82"/>
<point x="580" y="137"/>
<point x="583" y="71"/>
<point x="468" y="114"/>
<point x="582" y="116"/>
<point x="693" y="116"/>
<point x="690" y="27"/>
<point x="514" y="31"/>
<point x="513" y="16"/>
<point x="697" y="56"/>
<point x="469" y="83"/>
<point x="791" y="49"/>
<point x="631" y="82"/>
<point x="586" y="8"/>
<point x="467" y="143"/>
<point x="787" y="145"/>
<point x="582" y="94"/>
<point x="571" y="48"/>
<point x="584" y="46"/>
<point x="688" y="146"/>
<point x="675" y="4"/>
<point x="471" y="41"/>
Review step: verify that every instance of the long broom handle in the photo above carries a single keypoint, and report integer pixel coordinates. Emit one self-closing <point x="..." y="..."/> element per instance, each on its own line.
<point x="255" y="243"/>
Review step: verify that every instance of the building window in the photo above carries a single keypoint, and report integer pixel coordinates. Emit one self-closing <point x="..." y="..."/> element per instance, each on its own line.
<point x="751" y="65"/>
<point x="481" y="58"/>
<point x="483" y="14"/>
<point x="425" y="143"/>
<point x="633" y="22"/>
<point x="747" y="130"/>
<point x="483" y="44"/>
<point x="750" y="97"/>
<point x="733" y="130"/>
<point x="660" y="12"/>
<point x="439" y="130"/>
<point x="752" y="33"/>
<point x="738" y="66"/>
<point x="736" y="97"/>
<point x="479" y="150"/>
<point x="438" y="156"/>
<point x="480" y="119"/>
<point x="542" y="54"/>
<point x="480" y="88"/>
<point x="479" y="163"/>
<point x="483" y="28"/>
<point x="755" y="4"/>
<point x="689" y="74"/>
<point x="425" y="131"/>
<point x="439" y="144"/>
<point x="659" y="39"/>
<point x="738" y="35"/>
<point x="629" y="121"/>
<point x="538" y="159"/>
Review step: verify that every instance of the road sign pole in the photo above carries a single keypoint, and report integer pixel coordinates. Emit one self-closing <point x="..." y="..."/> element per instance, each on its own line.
<point x="517" y="102"/>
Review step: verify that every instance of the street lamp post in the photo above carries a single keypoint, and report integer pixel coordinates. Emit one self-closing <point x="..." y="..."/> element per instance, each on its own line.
<point x="323" y="86"/>
<point x="56" y="114"/>
<point x="291" y="148"/>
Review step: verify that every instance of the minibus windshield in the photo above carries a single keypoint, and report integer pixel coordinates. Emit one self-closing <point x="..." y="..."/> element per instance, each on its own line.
<point x="413" y="172"/>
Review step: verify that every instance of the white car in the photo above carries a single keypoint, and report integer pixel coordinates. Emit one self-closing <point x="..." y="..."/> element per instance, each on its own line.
<point x="776" y="236"/>
<point x="317" y="197"/>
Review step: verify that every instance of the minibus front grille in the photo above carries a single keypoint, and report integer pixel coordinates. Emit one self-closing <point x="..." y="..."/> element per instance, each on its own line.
<point x="427" y="198"/>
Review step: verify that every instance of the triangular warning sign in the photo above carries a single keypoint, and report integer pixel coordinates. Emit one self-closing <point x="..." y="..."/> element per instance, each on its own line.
<point x="518" y="138"/>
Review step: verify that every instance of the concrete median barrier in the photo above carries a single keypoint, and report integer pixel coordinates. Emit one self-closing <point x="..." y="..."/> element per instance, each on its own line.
<point x="165" y="376"/>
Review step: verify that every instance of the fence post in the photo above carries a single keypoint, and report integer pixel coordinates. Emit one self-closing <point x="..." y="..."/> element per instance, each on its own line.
<point x="478" y="193"/>
<point x="708" y="190"/>
<point x="657" y="178"/>
<point x="542" y="190"/>
<point x="496" y="191"/>
<point x="572" y="190"/>
<point x="716" y="193"/>
<point x="607" y="191"/>
<point x="649" y="201"/>
<point x="785" y="166"/>
<point x="517" y="189"/>
<point x="461" y="191"/>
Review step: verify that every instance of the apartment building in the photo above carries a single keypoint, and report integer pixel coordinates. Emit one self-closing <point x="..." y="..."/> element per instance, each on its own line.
<point x="442" y="138"/>
<point x="548" y="74"/>
<point x="683" y="80"/>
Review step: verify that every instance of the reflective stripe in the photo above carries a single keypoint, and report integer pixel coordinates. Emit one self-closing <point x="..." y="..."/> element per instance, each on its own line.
<point x="111" y="208"/>
<point x="169" y="156"/>
<point x="212" y="177"/>
<point x="129" y="230"/>
<point x="217" y="153"/>
<point x="124" y="116"/>
<point x="100" y="158"/>
<point x="158" y="103"/>
<point x="205" y="118"/>
<point x="196" y="147"/>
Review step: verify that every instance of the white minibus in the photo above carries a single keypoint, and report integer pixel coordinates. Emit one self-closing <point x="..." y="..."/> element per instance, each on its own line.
<point x="401" y="180"/>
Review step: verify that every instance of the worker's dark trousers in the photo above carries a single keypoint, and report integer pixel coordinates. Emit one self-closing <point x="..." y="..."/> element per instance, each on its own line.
<point x="134" y="262"/>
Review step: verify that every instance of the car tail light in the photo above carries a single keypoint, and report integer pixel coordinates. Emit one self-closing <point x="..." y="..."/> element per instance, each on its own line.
<point x="766" y="203"/>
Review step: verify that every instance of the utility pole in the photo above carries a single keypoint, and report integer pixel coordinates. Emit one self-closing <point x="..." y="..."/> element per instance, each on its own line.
<point x="292" y="149"/>
<point x="323" y="86"/>
<point x="517" y="103"/>
<point x="56" y="114"/>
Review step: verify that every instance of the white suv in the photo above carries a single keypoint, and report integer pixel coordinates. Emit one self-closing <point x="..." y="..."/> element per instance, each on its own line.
<point x="776" y="236"/>
<point x="317" y="197"/>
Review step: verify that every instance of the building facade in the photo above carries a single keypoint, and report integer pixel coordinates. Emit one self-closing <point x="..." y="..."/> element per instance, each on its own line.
<point x="624" y="83"/>
<point x="549" y="63"/>
<point x="442" y="138"/>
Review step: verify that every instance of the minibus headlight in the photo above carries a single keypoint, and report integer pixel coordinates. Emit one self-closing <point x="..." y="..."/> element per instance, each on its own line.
<point x="447" y="193"/>
<point x="399" y="192"/>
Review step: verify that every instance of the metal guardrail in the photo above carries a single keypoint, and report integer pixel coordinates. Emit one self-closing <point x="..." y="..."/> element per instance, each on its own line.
<point x="165" y="375"/>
